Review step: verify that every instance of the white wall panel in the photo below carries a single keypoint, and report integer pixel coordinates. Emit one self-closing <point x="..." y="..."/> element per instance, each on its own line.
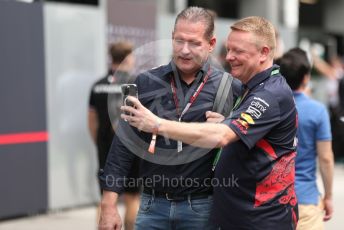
<point x="75" y="55"/>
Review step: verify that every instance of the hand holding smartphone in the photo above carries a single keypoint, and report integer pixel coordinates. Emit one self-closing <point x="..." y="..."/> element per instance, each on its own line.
<point x="128" y="90"/>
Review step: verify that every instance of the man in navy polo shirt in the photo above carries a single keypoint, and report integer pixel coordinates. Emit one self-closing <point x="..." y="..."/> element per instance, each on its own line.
<point x="176" y="194"/>
<point x="258" y="139"/>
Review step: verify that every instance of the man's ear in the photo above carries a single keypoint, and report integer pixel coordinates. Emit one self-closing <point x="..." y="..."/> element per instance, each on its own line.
<point x="306" y="78"/>
<point x="212" y="44"/>
<point x="264" y="53"/>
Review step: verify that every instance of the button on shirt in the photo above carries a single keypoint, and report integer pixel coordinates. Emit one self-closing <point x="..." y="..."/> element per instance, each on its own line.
<point x="257" y="172"/>
<point x="154" y="88"/>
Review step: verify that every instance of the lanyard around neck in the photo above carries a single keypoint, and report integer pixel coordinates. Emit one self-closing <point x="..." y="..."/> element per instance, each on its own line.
<point x="242" y="97"/>
<point x="192" y="98"/>
<point x="274" y="72"/>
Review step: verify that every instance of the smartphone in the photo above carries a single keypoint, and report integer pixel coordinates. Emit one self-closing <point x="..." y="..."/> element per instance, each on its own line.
<point x="128" y="90"/>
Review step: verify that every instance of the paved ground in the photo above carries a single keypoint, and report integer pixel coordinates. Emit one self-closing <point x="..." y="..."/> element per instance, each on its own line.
<point x="85" y="218"/>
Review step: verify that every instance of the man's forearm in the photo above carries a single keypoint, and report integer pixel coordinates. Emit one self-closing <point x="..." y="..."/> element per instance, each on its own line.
<point x="326" y="165"/>
<point x="326" y="170"/>
<point x="93" y="124"/>
<point x="109" y="216"/>
<point x="206" y="135"/>
<point x="109" y="199"/>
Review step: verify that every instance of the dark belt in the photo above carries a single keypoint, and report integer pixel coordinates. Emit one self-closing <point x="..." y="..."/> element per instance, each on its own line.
<point x="176" y="197"/>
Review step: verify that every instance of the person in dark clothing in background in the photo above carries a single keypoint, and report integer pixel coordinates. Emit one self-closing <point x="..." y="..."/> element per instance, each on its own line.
<point x="103" y="113"/>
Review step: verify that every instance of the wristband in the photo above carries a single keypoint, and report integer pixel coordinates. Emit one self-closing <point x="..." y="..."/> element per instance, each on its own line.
<point x="156" y="127"/>
<point x="151" y="147"/>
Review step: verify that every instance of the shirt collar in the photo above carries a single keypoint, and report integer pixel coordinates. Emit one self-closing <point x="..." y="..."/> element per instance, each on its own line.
<point x="204" y="68"/>
<point x="260" y="77"/>
<point x="299" y="94"/>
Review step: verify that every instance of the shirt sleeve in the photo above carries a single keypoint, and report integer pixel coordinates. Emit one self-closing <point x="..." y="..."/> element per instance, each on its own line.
<point x="117" y="167"/>
<point x="92" y="101"/>
<point x="120" y="159"/>
<point x="255" y="117"/>
<point x="323" y="127"/>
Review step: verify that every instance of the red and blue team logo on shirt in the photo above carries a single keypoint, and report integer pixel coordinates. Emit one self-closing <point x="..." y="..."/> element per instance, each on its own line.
<point x="279" y="182"/>
<point x="243" y="122"/>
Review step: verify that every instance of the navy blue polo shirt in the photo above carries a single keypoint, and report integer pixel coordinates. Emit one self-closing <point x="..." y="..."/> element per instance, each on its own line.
<point x="257" y="172"/>
<point x="155" y="93"/>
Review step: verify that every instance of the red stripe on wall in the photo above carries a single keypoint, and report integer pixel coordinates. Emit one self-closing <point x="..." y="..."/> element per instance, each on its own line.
<point x="21" y="138"/>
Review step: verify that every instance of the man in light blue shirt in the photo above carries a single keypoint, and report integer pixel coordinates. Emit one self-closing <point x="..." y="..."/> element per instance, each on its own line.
<point x="314" y="142"/>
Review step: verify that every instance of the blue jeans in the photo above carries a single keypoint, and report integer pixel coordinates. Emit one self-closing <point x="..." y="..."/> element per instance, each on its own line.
<point x="160" y="213"/>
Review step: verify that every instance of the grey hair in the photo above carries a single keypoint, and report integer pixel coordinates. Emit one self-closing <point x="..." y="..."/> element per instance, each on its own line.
<point x="198" y="14"/>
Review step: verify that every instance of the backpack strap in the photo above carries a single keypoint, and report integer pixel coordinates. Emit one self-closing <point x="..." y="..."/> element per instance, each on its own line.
<point x="224" y="94"/>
